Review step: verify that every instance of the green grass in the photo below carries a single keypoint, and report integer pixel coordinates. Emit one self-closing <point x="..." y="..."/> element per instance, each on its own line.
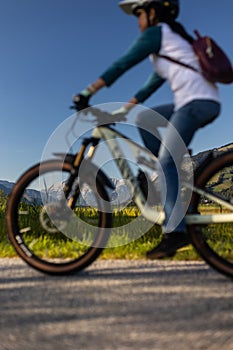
<point x="56" y="246"/>
<point x="6" y="249"/>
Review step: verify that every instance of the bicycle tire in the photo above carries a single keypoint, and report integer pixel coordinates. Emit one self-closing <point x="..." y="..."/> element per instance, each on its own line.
<point x="214" y="242"/>
<point x="26" y="221"/>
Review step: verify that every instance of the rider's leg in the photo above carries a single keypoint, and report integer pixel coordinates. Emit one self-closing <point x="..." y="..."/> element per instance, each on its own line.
<point x="148" y="122"/>
<point x="186" y="121"/>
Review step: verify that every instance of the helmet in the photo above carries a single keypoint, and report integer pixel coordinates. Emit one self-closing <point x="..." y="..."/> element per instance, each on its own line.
<point x="130" y="6"/>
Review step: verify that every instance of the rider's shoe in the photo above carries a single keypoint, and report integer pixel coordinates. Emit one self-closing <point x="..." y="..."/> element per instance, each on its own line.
<point x="169" y="245"/>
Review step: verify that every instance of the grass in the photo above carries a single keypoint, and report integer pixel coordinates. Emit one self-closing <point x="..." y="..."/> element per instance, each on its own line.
<point x="55" y="245"/>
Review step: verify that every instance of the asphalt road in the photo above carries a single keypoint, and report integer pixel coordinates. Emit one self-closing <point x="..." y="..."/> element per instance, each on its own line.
<point x="116" y="305"/>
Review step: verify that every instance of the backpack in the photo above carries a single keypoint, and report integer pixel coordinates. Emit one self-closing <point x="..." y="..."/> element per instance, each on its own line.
<point x="215" y="65"/>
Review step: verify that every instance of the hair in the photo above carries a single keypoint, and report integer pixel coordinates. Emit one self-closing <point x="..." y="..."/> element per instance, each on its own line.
<point x="163" y="15"/>
<point x="179" y="29"/>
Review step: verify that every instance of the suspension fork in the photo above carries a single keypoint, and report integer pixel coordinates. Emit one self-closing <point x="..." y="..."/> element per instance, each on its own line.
<point x="76" y="161"/>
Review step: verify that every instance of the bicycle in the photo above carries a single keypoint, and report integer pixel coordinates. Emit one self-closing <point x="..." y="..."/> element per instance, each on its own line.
<point x="33" y="216"/>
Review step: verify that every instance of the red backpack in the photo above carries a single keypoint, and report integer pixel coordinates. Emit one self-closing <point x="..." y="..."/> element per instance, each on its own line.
<point x="215" y="65"/>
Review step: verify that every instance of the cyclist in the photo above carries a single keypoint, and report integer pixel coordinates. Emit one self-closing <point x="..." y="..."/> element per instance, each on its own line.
<point x="196" y="100"/>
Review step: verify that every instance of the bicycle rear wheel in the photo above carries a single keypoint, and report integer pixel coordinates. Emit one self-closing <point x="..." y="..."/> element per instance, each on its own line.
<point x="45" y="232"/>
<point x="214" y="242"/>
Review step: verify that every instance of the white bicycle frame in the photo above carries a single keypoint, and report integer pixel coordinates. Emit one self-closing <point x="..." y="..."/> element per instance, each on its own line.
<point x="110" y="136"/>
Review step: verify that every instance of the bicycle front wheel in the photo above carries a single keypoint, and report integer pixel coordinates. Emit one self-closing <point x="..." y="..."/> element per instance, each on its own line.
<point x="45" y="232"/>
<point x="214" y="241"/>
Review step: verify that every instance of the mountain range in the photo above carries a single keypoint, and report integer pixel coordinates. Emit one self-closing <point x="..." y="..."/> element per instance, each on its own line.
<point x="120" y="195"/>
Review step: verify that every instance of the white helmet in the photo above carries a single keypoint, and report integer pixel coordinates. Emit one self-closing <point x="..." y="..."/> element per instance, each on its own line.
<point x="129" y="6"/>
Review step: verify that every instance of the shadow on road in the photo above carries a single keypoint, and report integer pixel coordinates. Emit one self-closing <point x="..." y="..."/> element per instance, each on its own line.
<point x="116" y="305"/>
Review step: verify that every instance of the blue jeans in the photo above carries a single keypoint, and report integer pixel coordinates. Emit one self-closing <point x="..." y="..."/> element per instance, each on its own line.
<point x="186" y="121"/>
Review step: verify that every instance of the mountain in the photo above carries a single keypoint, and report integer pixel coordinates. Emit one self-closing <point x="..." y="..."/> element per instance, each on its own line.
<point x="6" y="186"/>
<point x="121" y="194"/>
<point x="198" y="158"/>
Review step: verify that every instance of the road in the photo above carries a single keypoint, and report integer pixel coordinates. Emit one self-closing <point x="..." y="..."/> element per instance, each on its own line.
<point x="116" y="305"/>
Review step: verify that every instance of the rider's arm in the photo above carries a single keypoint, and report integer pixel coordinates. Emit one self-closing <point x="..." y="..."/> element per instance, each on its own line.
<point x="148" y="42"/>
<point x="151" y="85"/>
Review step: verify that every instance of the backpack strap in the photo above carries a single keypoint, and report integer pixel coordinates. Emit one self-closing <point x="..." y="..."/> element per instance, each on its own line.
<point x="179" y="62"/>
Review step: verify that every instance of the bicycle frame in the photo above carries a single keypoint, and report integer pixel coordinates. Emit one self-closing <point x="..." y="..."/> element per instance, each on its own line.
<point x="110" y="136"/>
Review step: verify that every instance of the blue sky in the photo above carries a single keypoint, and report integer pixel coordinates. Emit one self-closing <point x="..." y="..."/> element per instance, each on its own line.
<point x="51" y="49"/>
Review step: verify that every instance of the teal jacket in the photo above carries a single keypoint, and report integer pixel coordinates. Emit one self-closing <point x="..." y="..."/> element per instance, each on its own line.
<point x="147" y="43"/>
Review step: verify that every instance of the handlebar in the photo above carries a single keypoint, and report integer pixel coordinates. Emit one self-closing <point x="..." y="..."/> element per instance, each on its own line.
<point x="98" y="117"/>
<point x="101" y="117"/>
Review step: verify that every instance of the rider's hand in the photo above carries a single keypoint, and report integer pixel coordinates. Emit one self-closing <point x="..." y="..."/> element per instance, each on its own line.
<point x="81" y="101"/>
<point x="120" y="113"/>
